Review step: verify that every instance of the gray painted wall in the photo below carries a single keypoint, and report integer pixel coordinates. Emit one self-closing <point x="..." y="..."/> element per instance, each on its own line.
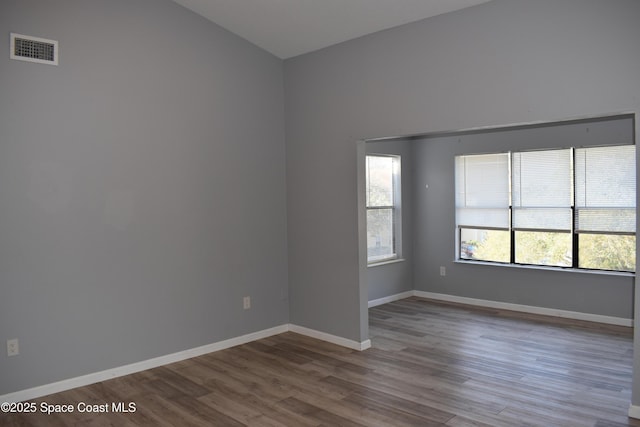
<point x="391" y="279"/>
<point x="506" y="61"/>
<point x="142" y="185"/>
<point x="121" y="239"/>
<point x="603" y="294"/>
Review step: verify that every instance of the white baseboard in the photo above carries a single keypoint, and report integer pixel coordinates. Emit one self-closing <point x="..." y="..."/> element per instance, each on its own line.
<point x="334" y="339"/>
<point x="390" y="298"/>
<point x="71" y="383"/>
<point x="620" y="321"/>
<point x="44" y="390"/>
<point x="634" y="411"/>
<point x="68" y="384"/>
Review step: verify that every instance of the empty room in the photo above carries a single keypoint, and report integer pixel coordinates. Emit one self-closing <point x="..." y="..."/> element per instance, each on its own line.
<point x="296" y="213"/>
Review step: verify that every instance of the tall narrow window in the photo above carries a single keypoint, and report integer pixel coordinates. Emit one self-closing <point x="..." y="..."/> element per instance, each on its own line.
<point x="383" y="207"/>
<point x="542" y="200"/>
<point x="482" y="206"/>
<point x="606" y="207"/>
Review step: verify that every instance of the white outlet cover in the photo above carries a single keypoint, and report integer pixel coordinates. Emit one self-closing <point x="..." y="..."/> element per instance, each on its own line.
<point x="13" y="348"/>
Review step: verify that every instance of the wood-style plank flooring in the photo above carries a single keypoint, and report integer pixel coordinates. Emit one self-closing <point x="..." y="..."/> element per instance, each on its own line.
<point x="432" y="364"/>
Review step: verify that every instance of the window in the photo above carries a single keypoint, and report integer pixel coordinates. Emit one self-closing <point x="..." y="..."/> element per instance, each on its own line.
<point x="383" y="207"/>
<point x="541" y="202"/>
<point x="565" y="208"/>
<point x="482" y="206"/>
<point x="605" y="213"/>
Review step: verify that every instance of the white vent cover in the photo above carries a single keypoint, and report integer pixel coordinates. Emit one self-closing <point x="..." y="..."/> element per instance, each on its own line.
<point x="33" y="49"/>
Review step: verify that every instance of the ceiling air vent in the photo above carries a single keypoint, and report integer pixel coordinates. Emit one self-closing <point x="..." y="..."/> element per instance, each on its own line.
<point x="33" y="49"/>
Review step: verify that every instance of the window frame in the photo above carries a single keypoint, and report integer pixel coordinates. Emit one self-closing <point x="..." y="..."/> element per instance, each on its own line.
<point x="395" y="208"/>
<point x="573" y="232"/>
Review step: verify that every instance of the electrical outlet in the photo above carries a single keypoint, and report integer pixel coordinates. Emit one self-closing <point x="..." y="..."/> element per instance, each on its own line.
<point x="13" y="348"/>
<point x="443" y="271"/>
<point x="246" y="303"/>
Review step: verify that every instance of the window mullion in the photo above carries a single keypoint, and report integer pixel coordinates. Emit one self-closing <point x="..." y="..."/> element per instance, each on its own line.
<point x="574" y="236"/>
<point x="512" y="242"/>
<point x="512" y="233"/>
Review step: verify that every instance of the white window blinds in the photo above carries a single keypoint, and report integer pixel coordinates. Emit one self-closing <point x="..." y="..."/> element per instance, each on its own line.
<point x="380" y="173"/>
<point x="542" y="186"/>
<point x="606" y="189"/>
<point x="482" y="191"/>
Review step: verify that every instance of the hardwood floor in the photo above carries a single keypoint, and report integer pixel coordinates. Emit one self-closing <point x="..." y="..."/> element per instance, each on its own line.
<point x="432" y="364"/>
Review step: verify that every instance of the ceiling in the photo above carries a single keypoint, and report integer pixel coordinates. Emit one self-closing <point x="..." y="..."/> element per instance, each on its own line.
<point x="288" y="28"/>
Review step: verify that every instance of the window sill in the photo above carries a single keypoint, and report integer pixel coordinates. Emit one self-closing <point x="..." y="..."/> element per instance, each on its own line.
<point x="546" y="268"/>
<point x="385" y="262"/>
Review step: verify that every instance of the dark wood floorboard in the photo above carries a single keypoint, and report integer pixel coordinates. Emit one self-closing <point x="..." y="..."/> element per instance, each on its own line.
<point x="431" y="364"/>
